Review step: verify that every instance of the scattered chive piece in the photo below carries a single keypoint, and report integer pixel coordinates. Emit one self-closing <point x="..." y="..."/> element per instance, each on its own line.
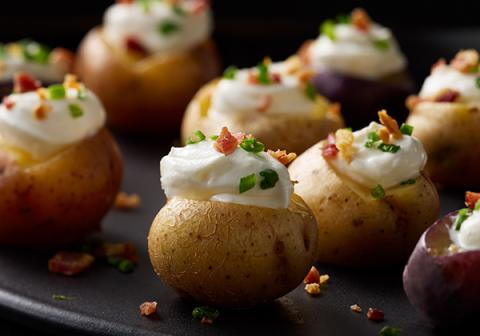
<point x="378" y="192"/>
<point x="263" y="76"/>
<point x="349" y="129"/>
<point x="388" y="148"/>
<point x="126" y="266"/>
<point x="372" y="138"/>
<point x="328" y="29"/>
<point x="168" y="27"/>
<point x="477" y="206"/>
<point x="57" y="91"/>
<point x="252" y="145"/>
<point x="270" y="178"/>
<point x="390" y="331"/>
<point x="178" y="10"/>
<point x="477" y="82"/>
<point x="382" y="44"/>
<point x="247" y="183"/>
<point x="409" y="182"/>
<point x="461" y="217"/>
<point x="34" y="51"/>
<point x="310" y="91"/>
<point x="75" y="111"/>
<point x="344" y="18"/>
<point x="82" y="93"/>
<point x="406" y="129"/>
<point x="207" y="312"/>
<point x="214" y="137"/>
<point x="230" y="72"/>
<point x="199" y="135"/>
<point x="59" y="297"/>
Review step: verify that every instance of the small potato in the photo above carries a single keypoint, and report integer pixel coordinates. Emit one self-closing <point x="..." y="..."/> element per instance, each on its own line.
<point x="146" y="95"/>
<point x="295" y="134"/>
<point x="60" y="200"/>
<point x="353" y="228"/>
<point x="232" y="255"/>
<point x="450" y="134"/>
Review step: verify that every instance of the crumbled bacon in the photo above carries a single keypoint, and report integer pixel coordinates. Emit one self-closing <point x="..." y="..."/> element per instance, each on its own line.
<point x="447" y="96"/>
<point x="276" y="78"/>
<point x="148" y="308"/>
<point x="124" y="201"/>
<point x="252" y="78"/>
<point x="264" y="103"/>
<point x="206" y="321"/>
<point x="412" y="101"/>
<point x="356" y="308"/>
<point x="71" y="82"/>
<point x="313" y="289"/>
<point x="42" y="93"/>
<point x="390" y="123"/>
<point x="344" y="142"/>
<point x="8" y="103"/>
<point x="70" y="263"/>
<point x="282" y="156"/>
<point x="375" y="315"/>
<point x="23" y="82"/>
<point x="324" y="278"/>
<point x="466" y="61"/>
<point x="305" y="76"/>
<point x="437" y="64"/>
<point x="120" y="250"/>
<point x="360" y="19"/>
<point x="226" y="142"/>
<point x="134" y="45"/>
<point x="63" y="59"/>
<point x="41" y="111"/>
<point x="471" y="198"/>
<point x="313" y="276"/>
<point x="384" y="135"/>
<point x="330" y="151"/>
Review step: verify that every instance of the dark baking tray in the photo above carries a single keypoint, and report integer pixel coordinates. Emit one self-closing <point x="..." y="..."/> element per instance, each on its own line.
<point x="106" y="301"/>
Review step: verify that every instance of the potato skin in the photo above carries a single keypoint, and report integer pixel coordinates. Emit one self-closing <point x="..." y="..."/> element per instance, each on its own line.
<point x="354" y="229"/>
<point x="148" y="95"/>
<point x="450" y="134"/>
<point x="295" y="134"/>
<point x="60" y="200"/>
<point x="232" y="255"/>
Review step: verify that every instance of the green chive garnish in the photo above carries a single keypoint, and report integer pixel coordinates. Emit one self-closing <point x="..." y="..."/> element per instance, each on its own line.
<point x="82" y="93"/>
<point x="199" y="138"/>
<point x="372" y="138"/>
<point x="35" y="52"/>
<point x="388" y="148"/>
<point x="409" y="182"/>
<point x="328" y="29"/>
<point x="390" y="331"/>
<point x="75" y="111"/>
<point x="270" y="178"/>
<point x="461" y="217"/>
<point x="406" y="129"/>
<point x="56" y="92"/>
<point x="126" y="266"/>
<point x="214" y="137"/>
<point x="168" y="27"/>
<point x="247" y="183"/>
<point x="230" y="72"/>
<point x="59" y="297"/>
<point x="477" y="82"/>
<point x="378" y="192"/>
<point x="477" y="206"/>
<point x="207" y="312"/>
<point x="263" y="75"/>
<point x="310" y="91"/>
<point x="382" y="44"/>
<point x="252" y="145"/>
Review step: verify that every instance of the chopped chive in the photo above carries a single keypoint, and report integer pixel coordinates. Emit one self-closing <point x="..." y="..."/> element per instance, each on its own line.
<point x="270" y="178"/>
<point x="57" y="91"/>
<point x="35" y="52"/>
<point x="207" y="312"/>
<point x="168" y="27"/>
<point x="263" y="76"/>
<point x="477" y="82"/>
<point x="126" y="266"/>
<point x="409" y="182"/>
<point x="328" y="29"/>
<point x="372" y="138"/>
<point x="199" y="136"/>
<point x="406" y="129"/>
<point x="390" y="331"/>
<point x="75" y="111"/>
<point x="461" y="217"/>
<point x="310" y="91"/>
<point x="247" y="183"/>
<point x="477" y="206"/>
<point x="60" y="297"/>
<point x="252" y="145"/>
<point x="82" y="93"/>
<point x="230" y="72"/>
<point x="388" y="148"/>
<point x="214" y="137"/>
<point x="378" y="192"/>
<point x="382" y="44"/>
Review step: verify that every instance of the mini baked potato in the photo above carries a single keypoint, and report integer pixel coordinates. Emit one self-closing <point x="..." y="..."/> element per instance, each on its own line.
<point x="144" y="94"/>
<point x="61" y="199"/>
<point x="232" y="255"/>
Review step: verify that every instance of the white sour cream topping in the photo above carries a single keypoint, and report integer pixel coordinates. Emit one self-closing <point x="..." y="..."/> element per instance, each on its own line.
<point x="19" y="127"/>
<point x="238" y="97"/>
<point x="122" y="21"/>
<point x="371" y="166"/>
<point x="446" y="77"/>
<point x="468" y="237"/>
<point x="200" y="172"/>
<point x="354" y="52"/>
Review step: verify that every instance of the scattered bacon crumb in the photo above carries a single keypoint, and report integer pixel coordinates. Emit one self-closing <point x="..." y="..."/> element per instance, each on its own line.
<point x="344" y="142"/>
<point x="276" y="78"/>
<point x="360" y="19"/>
<point x="42" y="93"/>
<point x="120" y="250"/>
<point x="252" y="78"/>
<point x="207" y="321"/>
<point x="148" y="308"/>
<point x="134" y="45"/>
<point x="466" y="61"/>
<point x="282" y="156"/>
<point x="8" y="103"/>
<point x="313" y="276"/>
<point x="412" y="101"/>
<point x="62" y="58"/>
<point x="471" y="198"/>
<point x="384" y="135"/>
<point x="390" y="123"/>
<point x="330" y="150"/>
<point x="375" y="315"/>
<point x="23" y="82"/>
<point x="264" y="103"/>
<point x="71" y="82"/>
<point x="439" y="63"/>
<point x="70" y="263"/>
<point x="313" y="289"/>
<point x="124" y="201"/>
<point x="305" y="76"/>
<point x="226" y="142"/>
<point x="447" y="96"/>
<point x="41" y="111"/>
<point x="324" y="278"/>
<point x="356" y="308"/>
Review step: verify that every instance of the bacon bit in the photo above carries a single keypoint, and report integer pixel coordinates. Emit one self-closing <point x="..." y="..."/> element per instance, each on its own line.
<point x="390" y="123"/>
<point x="335" y="108"/>
<point x="324" y="278"/>
<point x="41" y="111"/>
<point x="305" y="76"/>
<point x="42" y="93"/>
<point x="124" y="201"/>
<point x="447" y="96"/>
<point x="276" y="78"/>
<point x="23" y="82"/>
<point x="120" y="250"/>
<point x="8" y="103"/>
<point x="252" y="78"/>
<point x="207" y="321"/>
<point x="71" y="82"/>
<point x="330" y="151"/>
<point x="313" y="289"/>
<point x="375" y="315"/>
<point x="226" y="142"/>
<point x="412" y="101"/>
<point x="466" y="61"/>
<point x="471" y="198"/>
<point x="356" y="308"/>
<point x="148" y="308"/>
<point x="199" y="6"/>
<point x="63" y="59"/>
<point x="293" y="64"/>
<point x="441" y="62"/>
<point x="264" y="103"/>
<point x="344" y="142"/>
<point x="360" y="19"/>
<point x="384" y="135"/>
<point x="134" y="45"/>
<point x="282" y="156"/>
<point x="70" y="263"/>
<point x="313" y="276"/>
<point x="267" y="60"/>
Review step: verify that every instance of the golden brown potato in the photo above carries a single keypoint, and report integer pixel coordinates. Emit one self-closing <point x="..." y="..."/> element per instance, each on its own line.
<point x="450" y="134"/>
<point x="353" y="228"/>
<point x="148" y="94"/>
<point x="60" y="200"/>
<point x="232" y="255"/>
<point x="295" y="134"/>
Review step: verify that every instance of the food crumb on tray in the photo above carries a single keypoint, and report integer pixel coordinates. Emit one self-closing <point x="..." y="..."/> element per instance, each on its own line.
<point x="126" y="201"/>
<point x="148" y="308"/>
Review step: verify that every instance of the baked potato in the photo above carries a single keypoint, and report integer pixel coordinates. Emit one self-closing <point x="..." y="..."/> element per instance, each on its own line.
<point x="144" y="95"/>
<point x="232" y="255"/>
<point x="58" y="200"/>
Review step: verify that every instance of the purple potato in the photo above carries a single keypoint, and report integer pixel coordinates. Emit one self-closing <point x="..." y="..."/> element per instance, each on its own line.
<point x="361" y="98"/>
<point x="444" y="287"/>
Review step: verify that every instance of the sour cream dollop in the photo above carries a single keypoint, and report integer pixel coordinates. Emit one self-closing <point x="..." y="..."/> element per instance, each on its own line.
<point x="468" y="237"/>
<point x="368" y="54"/>
<point x="371" y="166"/>
<point x="200" y="172"/>
<point x="157" y="25"/>
<point x="64" y="121"/>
